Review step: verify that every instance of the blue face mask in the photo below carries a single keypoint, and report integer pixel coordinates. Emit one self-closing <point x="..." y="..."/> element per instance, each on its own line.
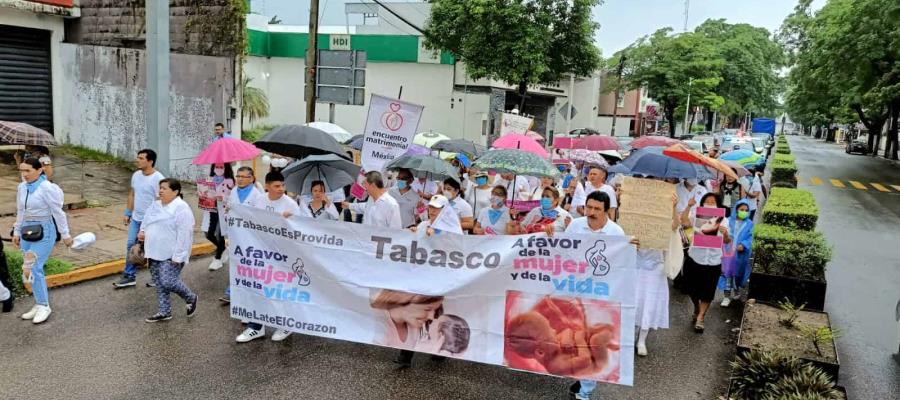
<point x="481" y="180"/>
<point x="562" y="168"/>
<point x="546" y="203"/>
<point x="401" y="185"/>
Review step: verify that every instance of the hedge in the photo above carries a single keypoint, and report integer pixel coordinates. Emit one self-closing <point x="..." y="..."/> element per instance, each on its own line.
<point x="788" y="158"/>
<point x="791" y="208"/>
<point x="14" y="261"/>
<point x="784" y="173"/>
<point x="790" y="252"/>
<point x="782" y="149"/>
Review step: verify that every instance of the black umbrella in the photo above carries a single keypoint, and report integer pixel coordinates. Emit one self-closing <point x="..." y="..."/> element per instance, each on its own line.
<point x="460" y="146"/>
<point x="298" y="141"/>
<point x="352" y="139"/>
<point x="335" y="171"/>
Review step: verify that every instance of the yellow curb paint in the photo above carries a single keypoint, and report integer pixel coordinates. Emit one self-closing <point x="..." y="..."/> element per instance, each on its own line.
<point x="107" y="268"/>
<point x="837" y="183"/>
<point x="880" y="187"/>
<point x="858" y="185"/>
<point x="815" y="181"/>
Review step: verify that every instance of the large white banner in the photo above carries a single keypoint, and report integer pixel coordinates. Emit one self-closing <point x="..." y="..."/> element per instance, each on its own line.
<point x="562" y="306"/>
<point x="390" y="128"/>
<point x="512" y="123"/>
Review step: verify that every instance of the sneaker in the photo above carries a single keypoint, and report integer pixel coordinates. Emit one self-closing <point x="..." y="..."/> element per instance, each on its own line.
<point x="225" y="258"/>
<point x="215" y="265"/>
<point x="736" y="294"/>
<point x="150" y="284"/>
<point x="251" y="334"/>
<point x="280" y="335"/>
<point x="642" y="350"/>
<point x="124" y="283"/>
<point x="43" y="312"/>
<point x="226" y="300"/>
<point x="726" y="302"/>
<point x="192" y="306"/>
<point x="30" y="313"/>
<point x="158" y="317"/>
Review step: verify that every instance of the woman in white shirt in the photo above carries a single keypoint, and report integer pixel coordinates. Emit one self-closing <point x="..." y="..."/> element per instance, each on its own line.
<point x="453" y="193"/>
<point x="168" y="234"/>
<point x="39" y="217"/>
<point x="703" y="266"/>
<point x="320" y="207"/>
<point x="549" y="217"/>
<point x="493" y="220"/>
<point x="479" y="195"/>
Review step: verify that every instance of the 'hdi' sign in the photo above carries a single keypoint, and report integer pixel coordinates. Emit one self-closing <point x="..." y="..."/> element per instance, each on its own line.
<point x="340" y="42"/>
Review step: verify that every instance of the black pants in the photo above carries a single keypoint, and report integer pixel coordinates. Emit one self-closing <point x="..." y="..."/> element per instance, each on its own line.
<point x="214" y="235"/>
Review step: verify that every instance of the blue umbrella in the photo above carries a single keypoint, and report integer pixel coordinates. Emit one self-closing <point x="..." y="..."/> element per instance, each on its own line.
<point x="741" y="156"/>
<point x="651" y="161"/>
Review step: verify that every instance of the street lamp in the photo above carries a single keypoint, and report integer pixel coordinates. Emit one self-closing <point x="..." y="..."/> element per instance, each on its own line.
<point x="687" y="107"/>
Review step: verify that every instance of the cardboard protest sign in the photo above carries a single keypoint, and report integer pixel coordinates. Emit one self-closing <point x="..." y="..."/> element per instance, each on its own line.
<point x="645" y="211"/>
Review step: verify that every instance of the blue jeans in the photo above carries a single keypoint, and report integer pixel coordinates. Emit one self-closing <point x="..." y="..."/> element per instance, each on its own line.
<point x="134" y="227"/>
<point x="42" y="250"/>
<point x="587" y="387"/>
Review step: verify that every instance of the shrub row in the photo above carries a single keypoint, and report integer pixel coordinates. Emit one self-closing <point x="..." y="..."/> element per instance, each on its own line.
<point x="14" y="261"/>
<point x="790" y="252"/>
<point x="791" y="208"/>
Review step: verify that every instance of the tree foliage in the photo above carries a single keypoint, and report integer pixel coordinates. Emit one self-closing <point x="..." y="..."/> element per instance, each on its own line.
<point x="520" y="42"/>
<point x="255" y="103"/>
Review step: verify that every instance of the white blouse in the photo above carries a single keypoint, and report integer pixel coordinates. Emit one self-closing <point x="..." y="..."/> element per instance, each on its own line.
<point x="45" y="203"/>
<point x="168" y="231"/>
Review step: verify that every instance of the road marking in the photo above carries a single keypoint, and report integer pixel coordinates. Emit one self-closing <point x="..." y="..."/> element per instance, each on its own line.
<point x="880" y="187"/>
<point x="815" y="181"/>
<point x="858" y="185"/>
<point x="837" y="183"/>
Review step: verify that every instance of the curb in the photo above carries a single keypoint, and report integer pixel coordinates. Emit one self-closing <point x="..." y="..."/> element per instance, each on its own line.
<point x="106" y="269"/>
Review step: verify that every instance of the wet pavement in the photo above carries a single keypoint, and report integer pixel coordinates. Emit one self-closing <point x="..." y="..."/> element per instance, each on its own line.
<point x="863" y="226"/>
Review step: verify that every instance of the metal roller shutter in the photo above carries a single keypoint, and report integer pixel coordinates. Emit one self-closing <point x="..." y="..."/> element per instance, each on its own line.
<point x="25" y="80"/>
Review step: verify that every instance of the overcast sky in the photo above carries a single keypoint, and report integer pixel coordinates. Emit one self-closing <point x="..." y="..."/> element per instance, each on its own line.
<point x="621" y="21"/>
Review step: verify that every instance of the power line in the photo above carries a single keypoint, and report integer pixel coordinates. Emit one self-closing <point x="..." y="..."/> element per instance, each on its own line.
<point x="369" y="5"/>
<point x="416" y="27"/>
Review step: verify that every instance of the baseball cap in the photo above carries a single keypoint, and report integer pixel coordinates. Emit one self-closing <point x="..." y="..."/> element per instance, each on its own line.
<point x="438" y="201"/>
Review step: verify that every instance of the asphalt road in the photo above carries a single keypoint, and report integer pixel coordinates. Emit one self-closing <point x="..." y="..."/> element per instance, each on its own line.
<point x="864" y="274"/>
<point x="96" y="345"/>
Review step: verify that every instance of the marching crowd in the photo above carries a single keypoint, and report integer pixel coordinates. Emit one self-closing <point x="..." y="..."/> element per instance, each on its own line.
<point x="584" y="200"/>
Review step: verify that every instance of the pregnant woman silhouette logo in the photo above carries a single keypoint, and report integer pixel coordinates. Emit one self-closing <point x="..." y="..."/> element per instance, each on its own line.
<point x="302" y="277"/>
<point x="392" y="120"/>
<point x="596" y="259"/>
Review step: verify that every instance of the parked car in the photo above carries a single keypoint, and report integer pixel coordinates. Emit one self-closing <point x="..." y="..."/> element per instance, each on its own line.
<point x="697" y="145"/>
<point x="759" y="145"/>
<point x="857" y="146"/>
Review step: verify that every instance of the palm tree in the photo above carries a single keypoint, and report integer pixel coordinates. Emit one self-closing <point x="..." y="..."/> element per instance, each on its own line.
<point x="254" y="100"/>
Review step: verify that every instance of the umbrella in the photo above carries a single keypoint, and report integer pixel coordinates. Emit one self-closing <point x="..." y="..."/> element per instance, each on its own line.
<point x="536" y="136"/>
<point x="684" y="153"/>
<point x="610" y="154"/>
<point x="588" y="157"/>
<point x="417" y="150"/>
<point x="353" y="139"/>
<point x="22" y="133"/>
<point x="743" y="157"/>
<point x="460" y="146"/>
<point x="520" y="142"/>
<point x="338" y="133"/>
<point x="596" y="143"/>
<point x="425" y="164"/>
<point x="645" y="141"/>
<point x="298" y="141"/>
<point x="335" y="171"/>
<point x="429" y="139"/>
<point x="226" y="150"/>
<point x="357" y="143"/>
<point x="519" y="162"/>
<point x="741" y="171"/>
<point x="651" y="161"/>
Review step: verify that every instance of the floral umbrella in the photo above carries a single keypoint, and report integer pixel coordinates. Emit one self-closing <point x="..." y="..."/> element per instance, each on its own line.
<point x="588" y="157"/>
<point x="514" y="161"/>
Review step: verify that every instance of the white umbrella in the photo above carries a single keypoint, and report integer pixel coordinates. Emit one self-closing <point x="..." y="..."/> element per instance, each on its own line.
<point x="338" y="133"/>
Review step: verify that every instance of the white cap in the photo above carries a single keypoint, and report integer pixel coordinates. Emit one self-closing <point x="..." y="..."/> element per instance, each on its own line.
<point x="83" y="241"/>
<point x="438" y="201"/>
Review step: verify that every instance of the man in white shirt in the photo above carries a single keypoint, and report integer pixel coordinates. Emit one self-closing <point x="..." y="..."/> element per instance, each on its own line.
<point x="275" y="201"/>
<point x="407" y="198"/>
<point x="381" y="210"/>
<point x="687" y="190"/>
<point x="144" y="190"/>
<point x="522" y="189"/>
<point x="596" y="181"/>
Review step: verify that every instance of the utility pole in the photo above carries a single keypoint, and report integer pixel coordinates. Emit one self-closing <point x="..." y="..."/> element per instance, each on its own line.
<point x="312" y="61"/>
<point x="612" y="131"/>
<point x="687" y="107"/>
<point x="687" y="9"/>
<point x="158" y="82"/>
<point x="571" y="103"/>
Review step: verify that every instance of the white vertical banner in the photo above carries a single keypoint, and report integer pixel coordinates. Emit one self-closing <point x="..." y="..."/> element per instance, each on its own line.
<point x="512" y="123"/>
<point x="390" y="128"/>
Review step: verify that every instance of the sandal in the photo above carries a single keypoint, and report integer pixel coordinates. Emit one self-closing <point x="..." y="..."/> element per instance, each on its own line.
<point x="698" y="327"/>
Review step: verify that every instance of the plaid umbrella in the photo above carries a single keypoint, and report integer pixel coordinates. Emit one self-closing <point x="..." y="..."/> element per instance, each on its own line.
<point x="22" y="133"/>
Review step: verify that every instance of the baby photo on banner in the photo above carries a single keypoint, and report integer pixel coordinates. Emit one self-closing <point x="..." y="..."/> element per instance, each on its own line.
<point x="706" y="228"/>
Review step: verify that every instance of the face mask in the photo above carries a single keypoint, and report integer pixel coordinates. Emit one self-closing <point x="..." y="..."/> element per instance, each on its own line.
<point x="546" y="203"/>
<point x="561" y="168"/>
<point x="497" y="200"/>
<point x="401" y="185"/>
<point x="481" y="180"/>
<point x="743" y="214"/>
<point x="219" y="171"/>
<point x="448" y="194"/>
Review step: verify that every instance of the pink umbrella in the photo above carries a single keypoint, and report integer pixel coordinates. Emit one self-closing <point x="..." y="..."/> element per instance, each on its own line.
<point x="536" y="136"/>
<point x="520" y="142"/>
<point x="645" y="141"/>
<point x="596" y="143"/>
<point x="226" y="150"/>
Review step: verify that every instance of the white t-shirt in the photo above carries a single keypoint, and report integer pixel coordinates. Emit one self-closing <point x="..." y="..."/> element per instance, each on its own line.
<point x="534" y="216"/>
<point x="522" y="190"/>
<point x="284" y="203"/>
<point x="497" y="228"/>
<point x="408" y="202"/>
<point x="384" y="212"/>
<point x="479" y="199"/>
<point x="146" y="190"/>
<point x="580" y="225"/>
<point x="463" y="209"/>
<point x="582" y="192"/>
<point x="684" y="196"/>
<point x="755" y="186"/>
<point x="429" y="187"/>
